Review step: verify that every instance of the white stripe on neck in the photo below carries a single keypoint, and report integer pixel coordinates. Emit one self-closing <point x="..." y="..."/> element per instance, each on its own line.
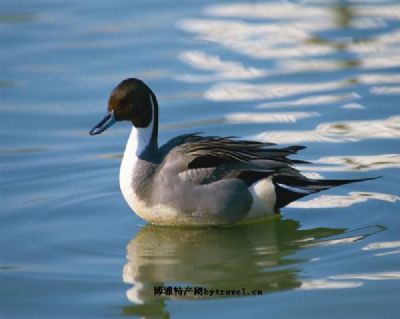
<point x="139" y="139"/>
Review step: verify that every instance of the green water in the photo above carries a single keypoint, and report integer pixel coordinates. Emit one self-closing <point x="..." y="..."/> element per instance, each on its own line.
<point x="324" y="74"/>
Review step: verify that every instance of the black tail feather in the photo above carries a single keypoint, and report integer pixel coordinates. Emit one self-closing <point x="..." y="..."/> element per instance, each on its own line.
<point x="290" y="188"/>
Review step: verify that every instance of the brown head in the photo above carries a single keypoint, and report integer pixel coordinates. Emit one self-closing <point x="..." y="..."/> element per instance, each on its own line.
<point x="132" y="100"/>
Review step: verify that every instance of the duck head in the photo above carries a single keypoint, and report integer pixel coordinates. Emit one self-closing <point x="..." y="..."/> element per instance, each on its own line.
<point x="132" y="100"/>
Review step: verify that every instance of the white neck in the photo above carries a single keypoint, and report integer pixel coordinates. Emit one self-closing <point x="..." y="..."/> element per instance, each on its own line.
<point x="139" y="139"/>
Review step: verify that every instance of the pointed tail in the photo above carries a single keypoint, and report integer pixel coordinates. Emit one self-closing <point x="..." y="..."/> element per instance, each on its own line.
<point x="290" y="188"/>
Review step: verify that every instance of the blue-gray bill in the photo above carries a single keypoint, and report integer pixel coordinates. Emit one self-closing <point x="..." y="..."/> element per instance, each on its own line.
<point x="104" y="124"/>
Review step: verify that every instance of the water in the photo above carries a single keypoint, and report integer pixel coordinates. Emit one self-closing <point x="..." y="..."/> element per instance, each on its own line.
<point x="323" y="74"/>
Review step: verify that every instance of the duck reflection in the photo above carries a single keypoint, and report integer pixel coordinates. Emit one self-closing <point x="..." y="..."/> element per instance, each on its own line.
<point x="259" y="256"/>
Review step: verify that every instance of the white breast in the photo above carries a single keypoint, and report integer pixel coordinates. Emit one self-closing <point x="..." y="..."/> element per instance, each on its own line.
<point x="138" y="141"/>
<point x="159" y="214"/>
<point x="126" y="172"/>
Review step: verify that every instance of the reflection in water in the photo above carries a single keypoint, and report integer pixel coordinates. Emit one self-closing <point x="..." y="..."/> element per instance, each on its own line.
<point x="370" y="276"/>
<point x="348" y="280"/>
<point x="297" y="35"/>
<point x="391" y="252"/>
<point x="242" y="118"/>
<point x="257" y="117"/>
<point x="343" y="15"/>
<point x="353" y="106"/>
<point x="325" y="284"/>
<point x="337" y="132"/>
<point x="357" y="163"/>
<point x="385" y="90"/>
<point x="331" y="201"/>
<point x="395" y="245"/>
<point x="259" y="40"/>
<point x="377" y="78"/>
<point x="223" y="69"/>
<point x="236" y="91"/>
<point x="382" y="245"/>
<point x="275" y="11"/>
<point x="311" y="100"/>
<point x="251" y="256"/>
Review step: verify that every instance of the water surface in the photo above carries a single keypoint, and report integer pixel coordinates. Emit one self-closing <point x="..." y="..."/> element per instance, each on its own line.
<point x="324" y="74"/>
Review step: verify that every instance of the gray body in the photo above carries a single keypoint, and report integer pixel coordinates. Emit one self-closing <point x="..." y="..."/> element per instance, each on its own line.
<point x="185" y="192"/>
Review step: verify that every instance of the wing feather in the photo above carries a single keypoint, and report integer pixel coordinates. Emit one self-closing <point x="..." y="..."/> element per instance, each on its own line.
<point x="201" y="160"/>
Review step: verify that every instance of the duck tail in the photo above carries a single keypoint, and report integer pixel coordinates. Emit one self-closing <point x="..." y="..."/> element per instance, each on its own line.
<point x="291" y="188"/>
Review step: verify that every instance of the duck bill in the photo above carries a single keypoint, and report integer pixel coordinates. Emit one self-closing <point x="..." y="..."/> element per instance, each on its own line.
<point x="104" y="124"/>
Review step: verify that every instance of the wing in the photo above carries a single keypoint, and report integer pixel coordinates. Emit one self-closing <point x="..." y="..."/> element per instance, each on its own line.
<point x="179" y="140"/>
<point x="202" y="160"/>
<point x="212" y="151"/>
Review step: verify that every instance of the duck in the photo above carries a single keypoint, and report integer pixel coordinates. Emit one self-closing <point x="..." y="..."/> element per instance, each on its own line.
<point x="196" y="180"/>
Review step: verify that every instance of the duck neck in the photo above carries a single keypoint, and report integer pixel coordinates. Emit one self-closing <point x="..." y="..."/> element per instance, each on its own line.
<point x="140" y="154"/>
<point x="142" y="142"/>
<point x="152" y="145"/>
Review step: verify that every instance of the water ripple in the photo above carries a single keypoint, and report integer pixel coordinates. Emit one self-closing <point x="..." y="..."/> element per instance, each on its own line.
<point x="326" y="284"/>
<point x="390" y="275"/>
<point x="242" y="118"/>
<point x="236" y="91"/>
<point x="347" y="280"/>
<point x="224" y="70"/>
<point x="259" y="117"/>
<point x="343" y="131"/>
<point x="358" y="163"/>
<point x="311" y="100"/>
<point x="385" y="90"/>
<point x="331" y="201"/>
<point x="384" y="246"/>
<point x="297" y="34"/>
